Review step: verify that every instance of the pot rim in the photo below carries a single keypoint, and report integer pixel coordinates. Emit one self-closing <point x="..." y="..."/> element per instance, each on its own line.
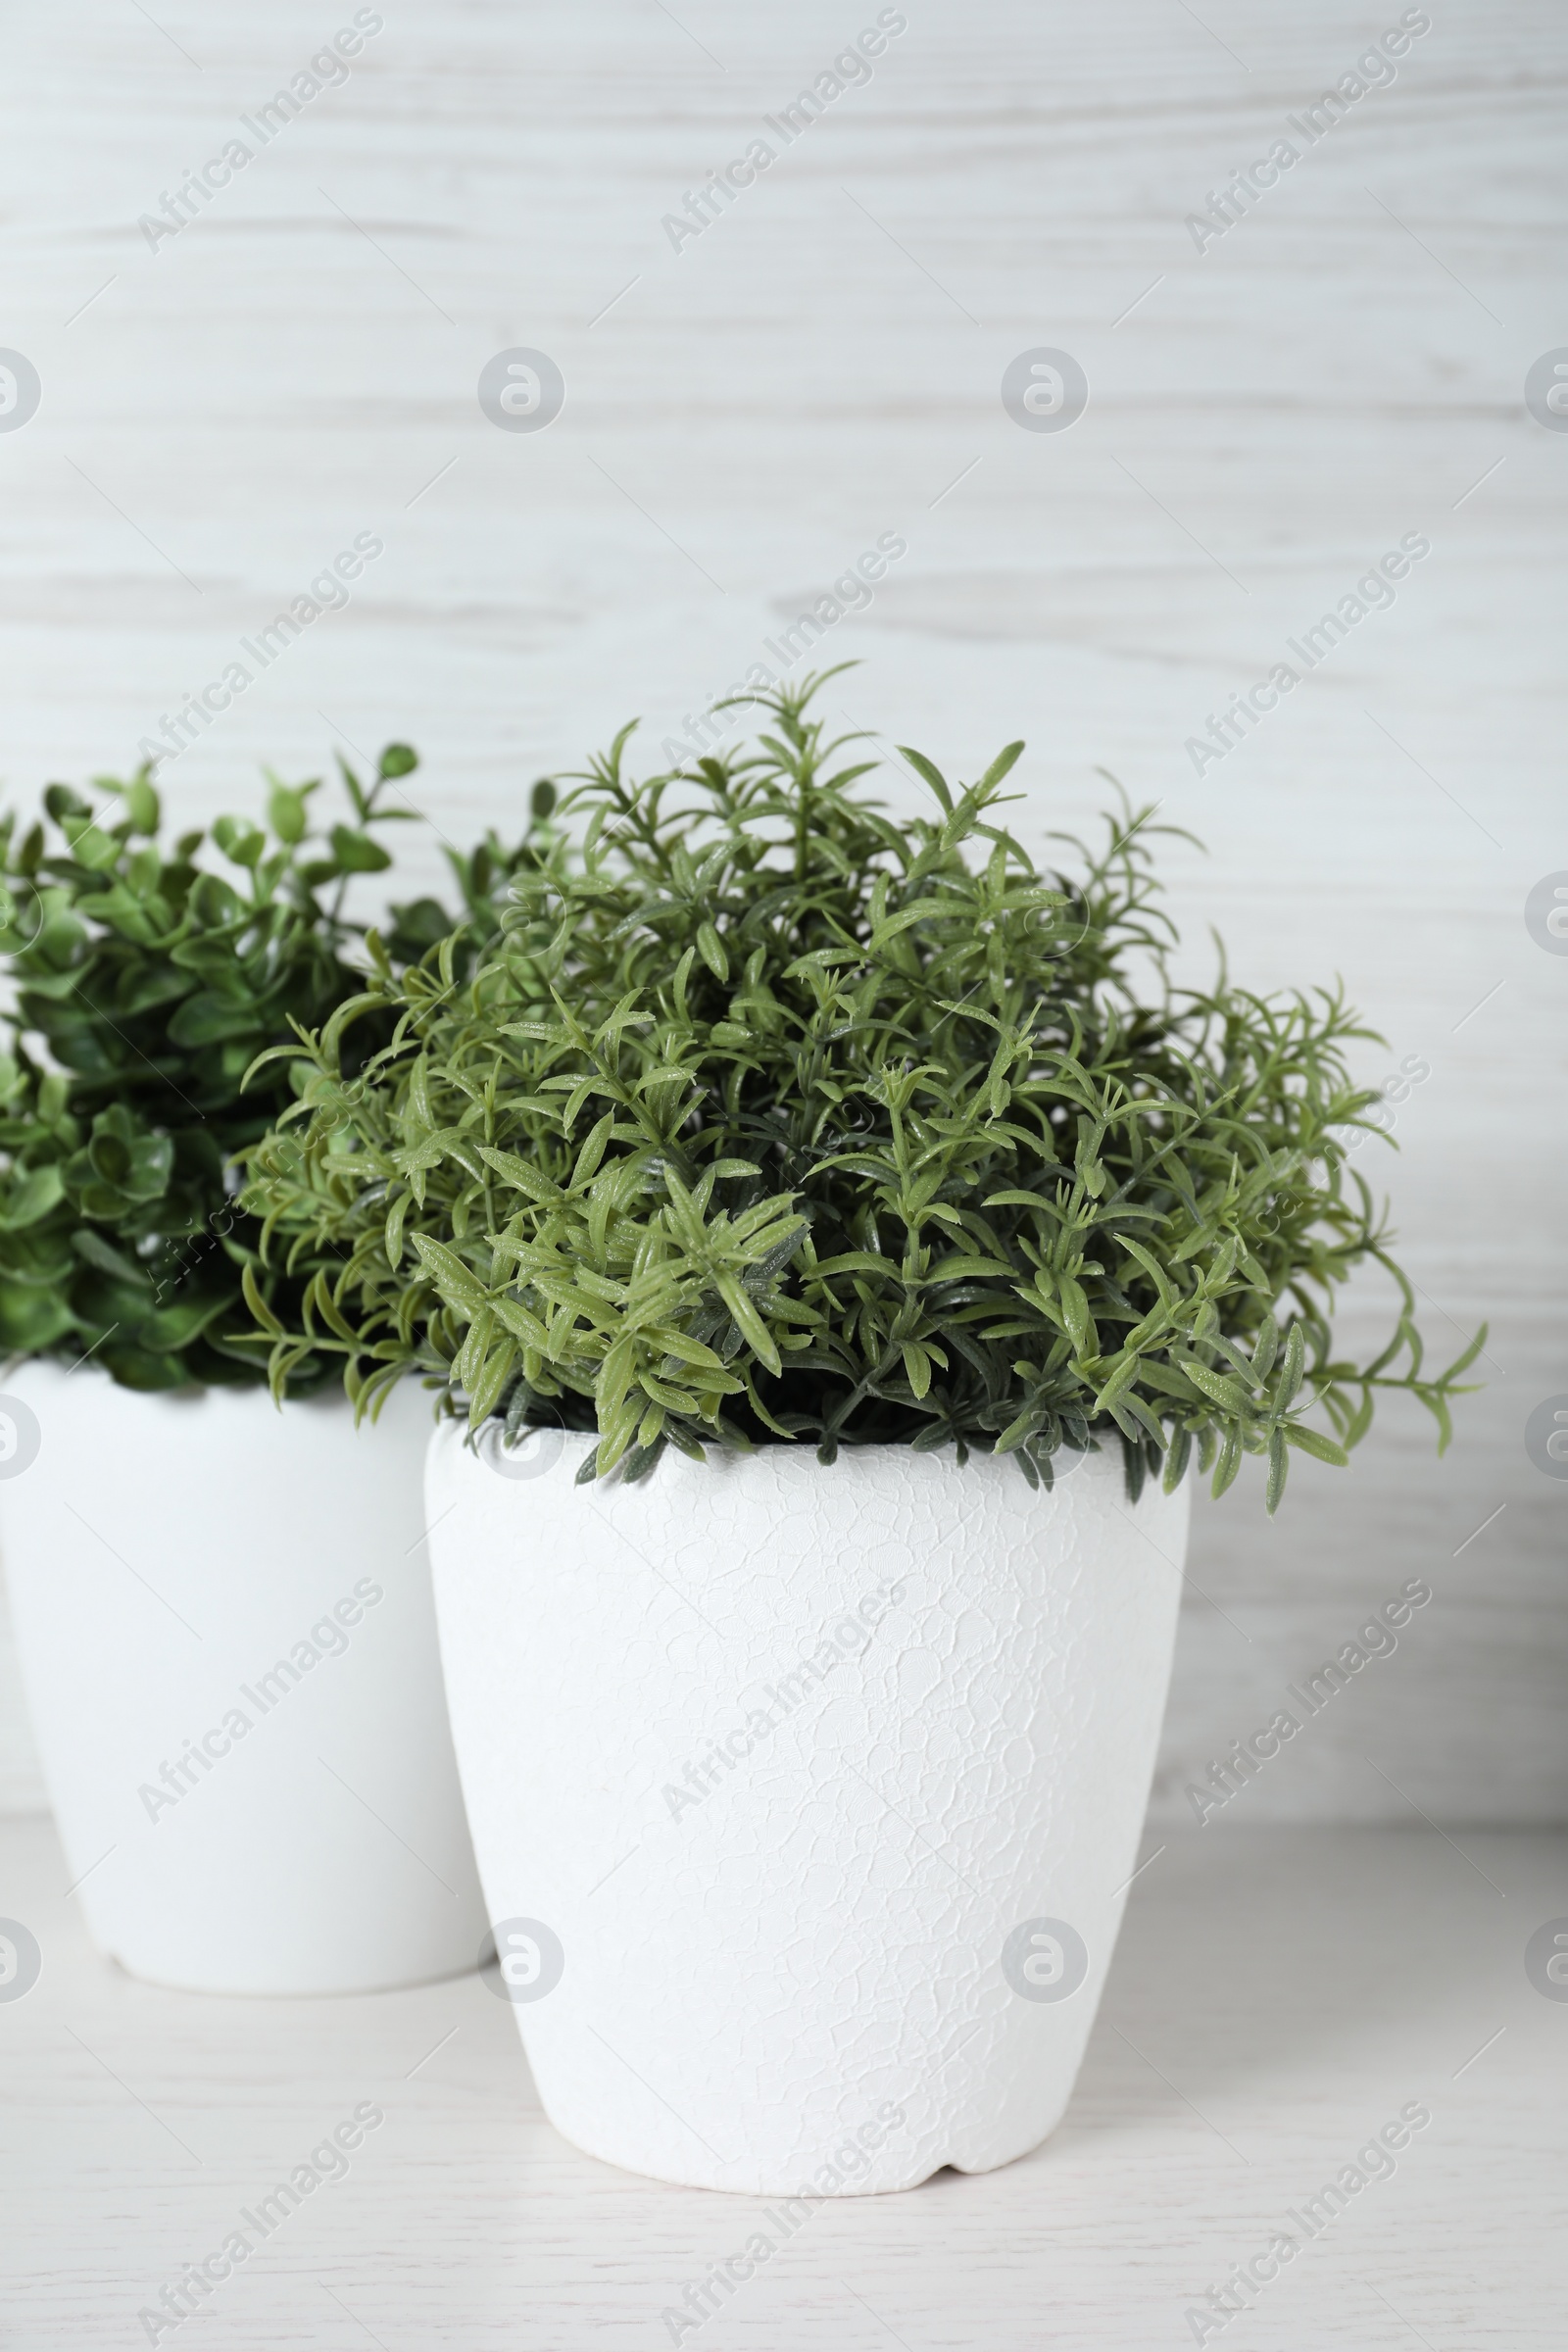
<point x="720" y="1456"/>
<point x="101" y="1384"/>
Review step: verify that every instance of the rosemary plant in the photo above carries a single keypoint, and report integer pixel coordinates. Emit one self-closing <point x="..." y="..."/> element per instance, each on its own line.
<point x="772" y="1118"/>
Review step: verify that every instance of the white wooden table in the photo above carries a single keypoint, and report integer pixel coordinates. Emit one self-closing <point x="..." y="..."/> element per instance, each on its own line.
<point x="1277" y="1998"/>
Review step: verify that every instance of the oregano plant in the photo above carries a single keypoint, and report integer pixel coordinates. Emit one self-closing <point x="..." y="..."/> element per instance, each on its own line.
<point x="770" y="1117"/>
<point x="144" y="977"/>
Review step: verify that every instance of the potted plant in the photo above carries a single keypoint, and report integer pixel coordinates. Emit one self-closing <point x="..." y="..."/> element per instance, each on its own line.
<point x="223" y="1611"/>
<point x="842" y="1241"/>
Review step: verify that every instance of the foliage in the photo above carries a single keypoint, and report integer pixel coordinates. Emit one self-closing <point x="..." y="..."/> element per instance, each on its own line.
<point x="773" y="1118"/>
<point x="144" y="981"/>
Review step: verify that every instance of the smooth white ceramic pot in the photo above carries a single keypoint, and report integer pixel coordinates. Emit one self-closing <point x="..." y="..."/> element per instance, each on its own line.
<point x="805" y="1800"/>
<point x="227" y="1641"/>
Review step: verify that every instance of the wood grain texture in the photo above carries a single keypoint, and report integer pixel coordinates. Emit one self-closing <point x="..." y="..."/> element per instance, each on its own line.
<point x="822" y="366"/>
<point x="1277" y="1998"/>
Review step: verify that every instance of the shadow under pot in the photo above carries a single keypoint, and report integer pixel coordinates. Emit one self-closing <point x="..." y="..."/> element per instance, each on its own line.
<point x="804" y="1797"/>
<point x="224" y="1621"/>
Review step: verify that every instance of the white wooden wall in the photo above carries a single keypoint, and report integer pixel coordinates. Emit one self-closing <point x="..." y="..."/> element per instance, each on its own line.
<point x="221" y="413"/>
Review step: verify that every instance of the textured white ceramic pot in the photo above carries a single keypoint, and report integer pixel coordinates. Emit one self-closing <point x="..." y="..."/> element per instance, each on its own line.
<point x="805" y="1800"/>
<point x="227" y="1641"/>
